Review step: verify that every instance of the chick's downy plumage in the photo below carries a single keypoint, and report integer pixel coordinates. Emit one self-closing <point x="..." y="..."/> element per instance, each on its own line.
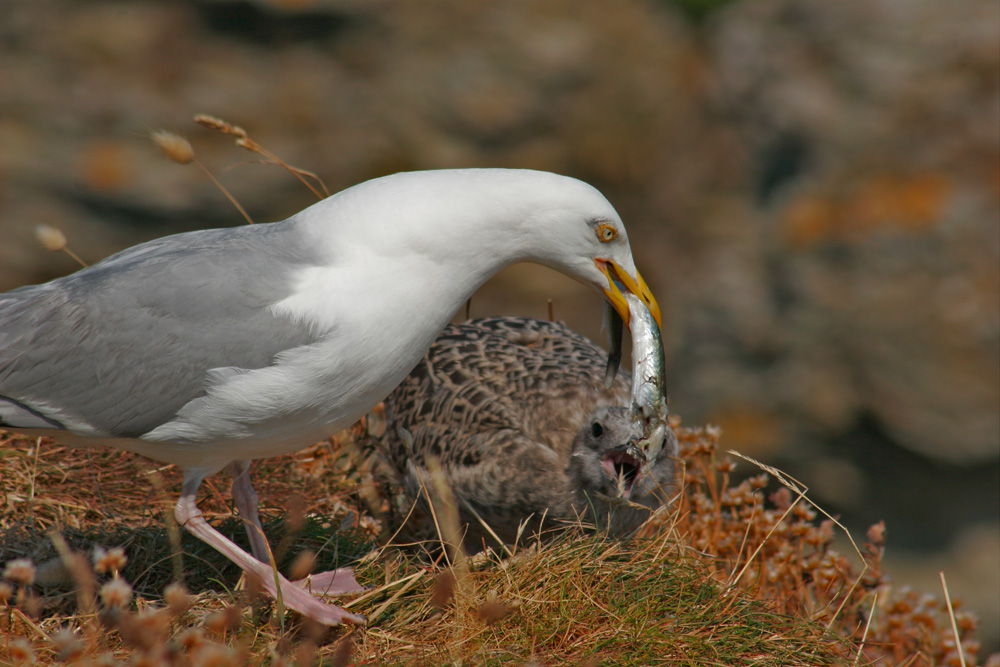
<point x="516" y="412"/>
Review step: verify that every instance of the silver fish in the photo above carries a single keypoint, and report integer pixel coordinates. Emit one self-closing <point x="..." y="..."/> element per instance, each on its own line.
<point x="649" y="386"/>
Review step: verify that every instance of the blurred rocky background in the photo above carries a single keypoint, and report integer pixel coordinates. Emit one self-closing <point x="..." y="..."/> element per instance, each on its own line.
<point x="812" y="190"/>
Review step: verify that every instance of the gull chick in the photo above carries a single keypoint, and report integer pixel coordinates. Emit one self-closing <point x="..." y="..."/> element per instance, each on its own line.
<point x="517" y="414"/>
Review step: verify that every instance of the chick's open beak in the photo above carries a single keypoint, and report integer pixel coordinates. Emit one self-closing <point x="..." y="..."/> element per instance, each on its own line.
<point x="618" y="279"/>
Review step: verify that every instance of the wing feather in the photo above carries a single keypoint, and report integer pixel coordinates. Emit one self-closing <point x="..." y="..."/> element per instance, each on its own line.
<point x="90" y="351"/>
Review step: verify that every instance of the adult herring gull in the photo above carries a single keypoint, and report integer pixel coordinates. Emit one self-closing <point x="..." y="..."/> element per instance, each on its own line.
<point x="213" y="348"/>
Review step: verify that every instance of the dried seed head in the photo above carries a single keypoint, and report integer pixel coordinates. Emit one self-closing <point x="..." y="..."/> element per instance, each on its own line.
<point x="104" y="660"/>
<point x="443" y="589"/>
<point x="303" y="565"/>
<point x="51" y="238"/>
<point x="726" y="465"/>
<point x="116" y="593"/>
<point x="177" y="598"/>
<point x="227" y="619"/>
<point x="876" y="533"/>
<point x="305" y="654"/>
<point x="342" y="653"/>
<point x="20" y="571"/>
<point x="277" y="660"/>
<point x="190" y="639"/>
<point x="6" y="590"/>
<point x="109" y="560"/>
<point x="33" y="604"/>
<point x="493" y="611"/>
<point x="213" y="123"/>
<point x="156" y="657"/>
<point x="146" y="629"/>
<point x="174" y="146"/>
<point x="68" y="645"/>
<point x="215" y="655"/>
<point x="254" y="588"/>
<point x="370" y="524"/>
<point x="20" y="652"/>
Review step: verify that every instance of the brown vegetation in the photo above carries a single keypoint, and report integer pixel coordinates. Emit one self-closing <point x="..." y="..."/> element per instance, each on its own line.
<point x="728" y="574"/>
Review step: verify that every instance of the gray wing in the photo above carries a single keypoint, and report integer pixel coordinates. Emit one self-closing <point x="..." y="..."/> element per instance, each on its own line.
<point x="119" y="347"/>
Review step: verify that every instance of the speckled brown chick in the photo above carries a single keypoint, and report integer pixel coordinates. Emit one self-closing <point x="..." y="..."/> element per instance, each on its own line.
<point x="516" y="412"/>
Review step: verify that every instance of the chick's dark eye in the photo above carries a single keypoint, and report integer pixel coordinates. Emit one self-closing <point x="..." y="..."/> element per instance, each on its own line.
<point x="596" y="429"/>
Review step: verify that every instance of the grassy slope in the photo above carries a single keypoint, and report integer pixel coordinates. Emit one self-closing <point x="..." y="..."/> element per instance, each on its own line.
<point x="670" y="596"/>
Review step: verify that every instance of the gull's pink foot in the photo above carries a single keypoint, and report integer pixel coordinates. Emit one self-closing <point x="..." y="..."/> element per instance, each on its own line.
<point x="294" y="597"/>
<point x="333" y="582"/>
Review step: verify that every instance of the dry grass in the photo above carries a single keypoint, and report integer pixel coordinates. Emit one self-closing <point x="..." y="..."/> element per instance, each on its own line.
<point x="669" y="596"/>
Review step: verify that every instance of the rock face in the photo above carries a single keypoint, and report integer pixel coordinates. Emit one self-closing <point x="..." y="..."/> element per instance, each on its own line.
<point x="813" y="186"/>
<point x="874" y="130"/>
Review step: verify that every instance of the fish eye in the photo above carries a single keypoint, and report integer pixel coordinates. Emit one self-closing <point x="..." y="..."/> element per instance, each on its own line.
<point x="606" y="232"/>
<point x="596" y="429"/>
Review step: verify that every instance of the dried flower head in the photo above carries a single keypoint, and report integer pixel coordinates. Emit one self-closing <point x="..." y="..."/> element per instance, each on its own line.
<point x="116" y="593"/>
<point x="726" y="465"/>
<point x="109" y="560"/>
<point x="20" y="571"/>
<point x="174" y="146"/>
<point x="190" y="639"/>
<point x="145" y="629"/>
<point x="443" y="589"/>
<point x="342" y="653"/>
<point x="493" y="611"/>
<point x="6" y="590"/>
<point x="33" y="604"/>
<point x="370" y="524"/>
<point x="215" y="655"/>
<point x="20" y="652"/>
<point x="305" y="653"/>
<point x="876" y="533"/>
<point x="177" y="598"/>
<point x="68" y="645"/>
<point x="50" y="238"/>
<point x="303" y="565"/>
<point x="227" y="619"/>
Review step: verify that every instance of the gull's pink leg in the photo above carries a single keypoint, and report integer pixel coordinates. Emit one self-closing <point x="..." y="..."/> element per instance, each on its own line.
<point x="333" y="582"/>
<point x="247" y="503"/>
<point x="294" y="597"/>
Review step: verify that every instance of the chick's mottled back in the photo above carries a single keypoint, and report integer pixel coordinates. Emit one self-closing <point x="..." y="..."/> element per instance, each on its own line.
<point x="517" y="413"/>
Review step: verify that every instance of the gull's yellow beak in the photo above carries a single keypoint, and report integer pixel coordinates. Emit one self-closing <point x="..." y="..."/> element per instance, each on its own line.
<point x="617" y="279"/>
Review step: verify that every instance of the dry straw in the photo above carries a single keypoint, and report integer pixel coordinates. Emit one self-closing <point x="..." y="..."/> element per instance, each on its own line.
<point x="680" y="591"/>
<point x="243" y="140"/>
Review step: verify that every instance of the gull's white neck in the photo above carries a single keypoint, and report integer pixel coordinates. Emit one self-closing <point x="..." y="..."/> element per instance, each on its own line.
<point x="414" y="247"/>
<point x="403" y="255"/>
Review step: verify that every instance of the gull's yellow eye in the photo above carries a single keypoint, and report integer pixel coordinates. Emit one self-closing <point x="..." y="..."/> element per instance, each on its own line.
<point x="606" y="232"/>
